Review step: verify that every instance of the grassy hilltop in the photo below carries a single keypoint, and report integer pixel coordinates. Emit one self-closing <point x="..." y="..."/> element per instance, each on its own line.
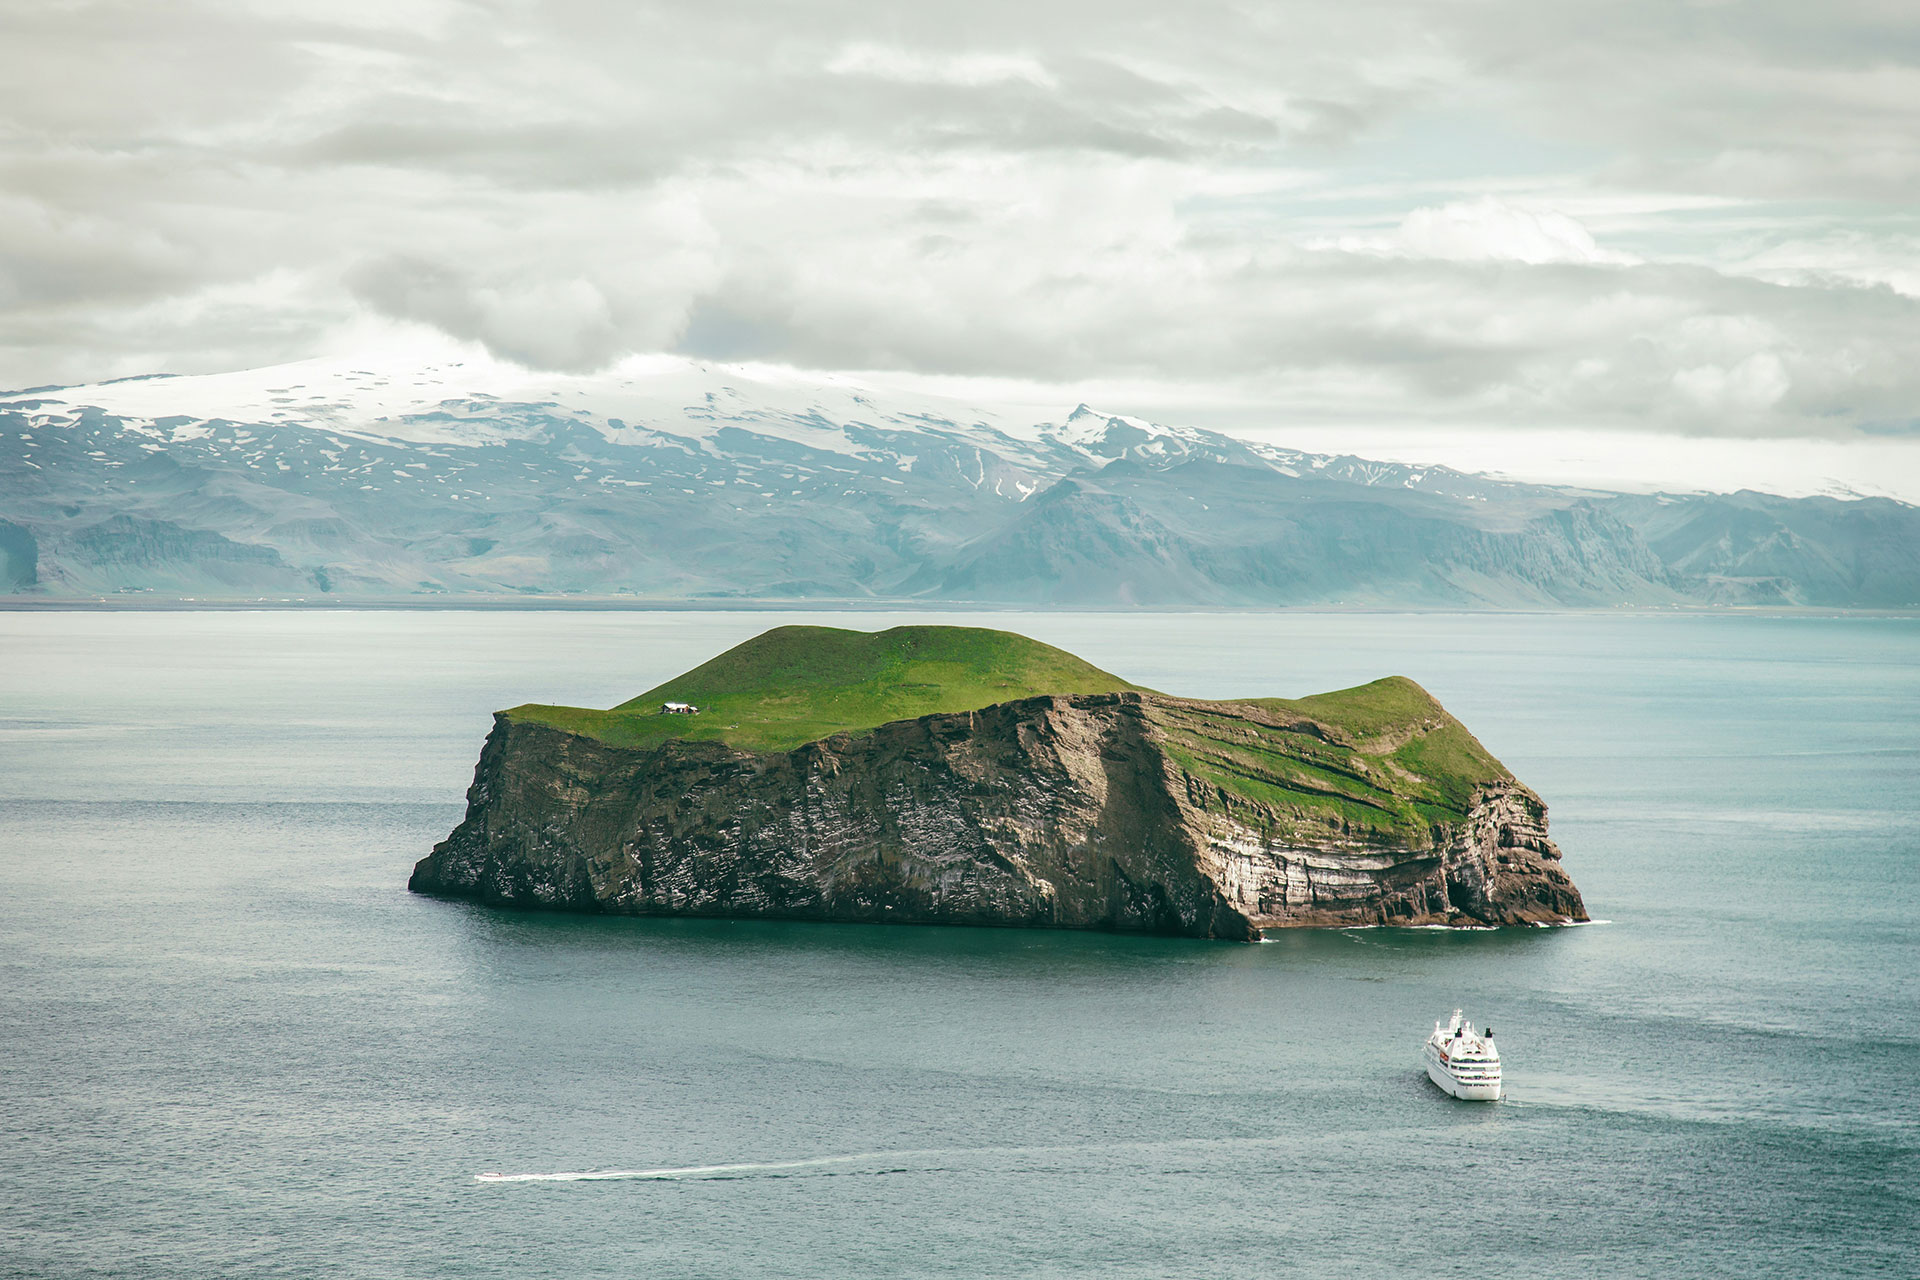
<point x="1384" y="758"/>
<point x="794" y="685"/>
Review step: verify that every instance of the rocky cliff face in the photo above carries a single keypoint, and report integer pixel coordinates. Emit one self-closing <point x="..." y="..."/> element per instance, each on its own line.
<point x="1063" y="812"/>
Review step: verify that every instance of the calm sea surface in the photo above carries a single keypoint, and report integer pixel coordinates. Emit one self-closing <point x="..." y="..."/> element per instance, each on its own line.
<point x="231" y="1044"/>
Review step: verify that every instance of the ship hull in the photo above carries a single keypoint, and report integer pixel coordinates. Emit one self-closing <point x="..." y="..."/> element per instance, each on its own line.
<point x="1478" y="1091"/>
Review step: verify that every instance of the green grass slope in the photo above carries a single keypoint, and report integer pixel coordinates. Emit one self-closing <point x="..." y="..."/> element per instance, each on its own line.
<point x="794" y="685"/>
<point x="1382" y="761"/>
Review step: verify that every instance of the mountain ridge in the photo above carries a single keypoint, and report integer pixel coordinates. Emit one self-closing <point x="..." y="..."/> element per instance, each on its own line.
<point x="677" y="482"/>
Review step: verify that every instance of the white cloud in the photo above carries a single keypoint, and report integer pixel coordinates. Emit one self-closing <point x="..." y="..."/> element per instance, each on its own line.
<point x="1486" y="229"/>
<point x="1491" y="230"/>
<point x="1852" y="254"/>
<point x="1504" y="212"/>
<point x="537" y="321"/>
<point x="1754" y="385"/>
<point x="888" y="62"/>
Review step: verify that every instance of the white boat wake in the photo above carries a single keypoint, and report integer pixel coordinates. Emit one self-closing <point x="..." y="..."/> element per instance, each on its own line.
<point x="927" y="1159"/>
<point x="690" y="1171"/>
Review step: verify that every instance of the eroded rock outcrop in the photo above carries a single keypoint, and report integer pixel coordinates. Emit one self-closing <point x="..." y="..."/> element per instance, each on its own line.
<point x="1102" y="811"/>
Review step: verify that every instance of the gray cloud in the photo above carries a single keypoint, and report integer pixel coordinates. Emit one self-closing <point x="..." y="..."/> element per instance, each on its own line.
<point x="1678" y="217"/>
<point x="1679" y="348"/>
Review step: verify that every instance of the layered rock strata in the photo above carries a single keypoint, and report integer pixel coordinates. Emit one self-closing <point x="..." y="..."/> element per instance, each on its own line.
<point x="1122" y="811"/>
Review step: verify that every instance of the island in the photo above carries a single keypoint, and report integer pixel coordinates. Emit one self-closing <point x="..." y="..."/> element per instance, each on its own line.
<point x="967" y="776"/>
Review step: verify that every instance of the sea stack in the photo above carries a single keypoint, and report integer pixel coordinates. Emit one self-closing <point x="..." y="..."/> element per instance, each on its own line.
<point x="957" y="775"/>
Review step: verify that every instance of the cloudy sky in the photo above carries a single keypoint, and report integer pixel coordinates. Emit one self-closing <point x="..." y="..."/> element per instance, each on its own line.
<point x="1351" y="219"/>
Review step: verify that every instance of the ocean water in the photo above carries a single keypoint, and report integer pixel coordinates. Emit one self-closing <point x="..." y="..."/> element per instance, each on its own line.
<point x="232" y="1044"/>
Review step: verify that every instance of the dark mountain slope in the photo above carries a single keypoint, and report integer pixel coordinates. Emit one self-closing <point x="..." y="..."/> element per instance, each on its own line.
<point x="1741" y="547"/>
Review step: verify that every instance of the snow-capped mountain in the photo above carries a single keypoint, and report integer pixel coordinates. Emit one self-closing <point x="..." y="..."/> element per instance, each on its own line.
<point x="647" y="402"/>
<point x="668" y="478"/>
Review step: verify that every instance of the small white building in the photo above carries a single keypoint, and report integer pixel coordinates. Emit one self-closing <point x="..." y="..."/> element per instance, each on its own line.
<point x="678" y="709"/>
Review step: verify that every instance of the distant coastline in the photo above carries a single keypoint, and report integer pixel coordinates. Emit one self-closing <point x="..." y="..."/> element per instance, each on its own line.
<point x="143" y="603"/>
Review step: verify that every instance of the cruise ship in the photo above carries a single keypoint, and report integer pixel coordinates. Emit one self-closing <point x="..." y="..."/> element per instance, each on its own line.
<point x="1464" y="1064"/>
